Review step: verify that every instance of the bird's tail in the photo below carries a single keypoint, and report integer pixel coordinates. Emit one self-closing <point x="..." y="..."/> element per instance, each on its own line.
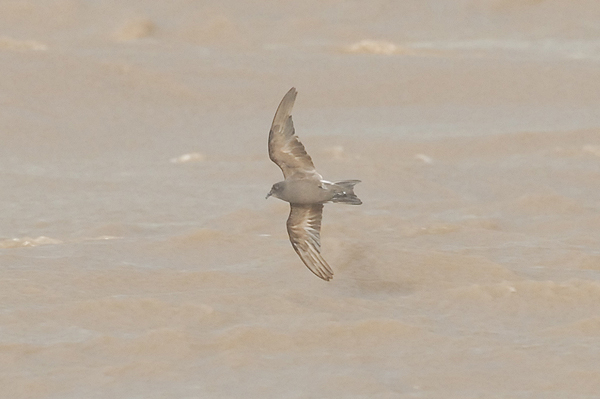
<point x="346" y="192"/>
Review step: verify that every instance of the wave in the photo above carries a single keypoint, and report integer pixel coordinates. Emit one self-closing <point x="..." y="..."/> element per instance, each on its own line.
<point x="546" y="297"/>
<point x="332" y="334"/>
<point x="28" y="242"/>
<point x="588" y="327"/>
<point x="8" y="43"/>
<point x="136" y="28"/>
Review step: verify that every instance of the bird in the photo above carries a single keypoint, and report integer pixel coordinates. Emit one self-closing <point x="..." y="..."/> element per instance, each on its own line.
<point x="303" y="188"/>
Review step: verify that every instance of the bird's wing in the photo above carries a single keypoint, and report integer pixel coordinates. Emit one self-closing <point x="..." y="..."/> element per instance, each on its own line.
<point x="284" y="147"/>
<point x="304" y="227"/>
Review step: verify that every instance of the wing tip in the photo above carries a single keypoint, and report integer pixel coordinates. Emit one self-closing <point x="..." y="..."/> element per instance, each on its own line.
<point x="315" y="263"/>
<point x="292" y="93"/>
<point x="319" y="266"/>
<point x="328" y="277"/>
<point x="322" y="274"/>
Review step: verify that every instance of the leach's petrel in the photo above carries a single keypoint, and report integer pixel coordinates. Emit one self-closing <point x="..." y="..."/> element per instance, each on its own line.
<point x="304" y="189"/>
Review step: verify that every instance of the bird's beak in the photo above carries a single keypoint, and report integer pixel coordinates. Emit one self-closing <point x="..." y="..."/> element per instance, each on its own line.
<point x="270" y="193"/>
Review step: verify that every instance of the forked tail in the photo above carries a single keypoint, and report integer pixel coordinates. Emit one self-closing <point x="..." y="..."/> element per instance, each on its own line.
<point x="346" y="192"/>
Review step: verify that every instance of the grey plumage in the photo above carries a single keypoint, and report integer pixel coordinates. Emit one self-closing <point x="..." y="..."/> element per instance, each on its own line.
<point x="303" y="188"/>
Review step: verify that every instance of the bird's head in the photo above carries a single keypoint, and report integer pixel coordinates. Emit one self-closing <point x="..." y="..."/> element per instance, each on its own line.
<point x="275" y="190"/>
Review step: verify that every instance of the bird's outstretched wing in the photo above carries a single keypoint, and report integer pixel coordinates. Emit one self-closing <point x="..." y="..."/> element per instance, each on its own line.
<point x="284" y="147"/>
<point x="304" y="229"/>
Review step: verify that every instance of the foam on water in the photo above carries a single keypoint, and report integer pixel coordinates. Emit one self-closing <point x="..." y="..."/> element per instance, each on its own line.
<point x="375" y="47"/>
<point x="28" y="242"/>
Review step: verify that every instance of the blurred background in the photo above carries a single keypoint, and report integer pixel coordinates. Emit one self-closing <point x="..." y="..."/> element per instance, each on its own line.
<point x="139" y="259"/>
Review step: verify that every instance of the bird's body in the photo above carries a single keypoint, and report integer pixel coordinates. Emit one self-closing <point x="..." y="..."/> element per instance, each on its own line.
<point x="313" y="191"/>
<point x="303" y="188"/>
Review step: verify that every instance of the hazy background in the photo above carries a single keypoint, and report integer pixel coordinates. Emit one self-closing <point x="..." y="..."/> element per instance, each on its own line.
<point x="139" y="259"/>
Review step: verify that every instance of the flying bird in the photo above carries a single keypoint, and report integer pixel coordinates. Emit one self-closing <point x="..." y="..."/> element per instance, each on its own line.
<point x="304" y="189"/>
